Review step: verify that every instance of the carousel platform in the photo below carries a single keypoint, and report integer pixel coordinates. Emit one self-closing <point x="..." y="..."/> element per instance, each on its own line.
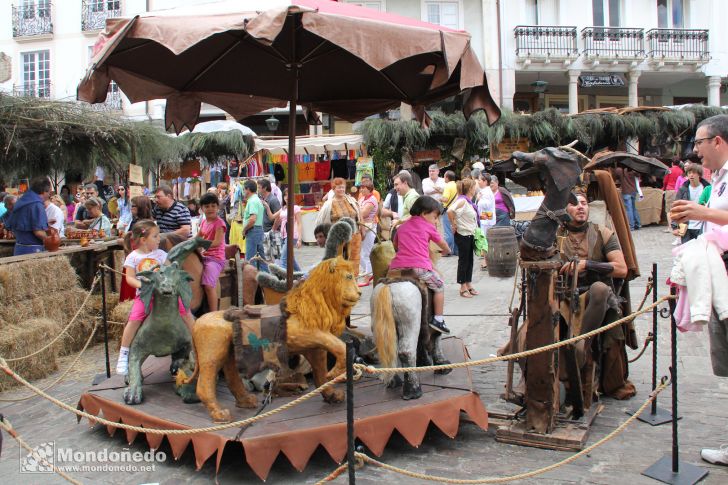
<point x="298" y="431"/>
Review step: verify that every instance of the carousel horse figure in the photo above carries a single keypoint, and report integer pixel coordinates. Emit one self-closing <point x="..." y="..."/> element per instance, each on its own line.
<point x="400" y="312"/>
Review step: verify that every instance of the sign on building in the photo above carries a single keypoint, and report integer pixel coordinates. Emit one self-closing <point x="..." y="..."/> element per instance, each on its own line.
<point x="600" y="80"/>
<point x="504" y="149"/>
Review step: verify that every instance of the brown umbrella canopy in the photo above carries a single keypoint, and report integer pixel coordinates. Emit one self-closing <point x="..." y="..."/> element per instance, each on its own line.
<point x="327" y="56"/>
<point x="638" y="163"/>
<point x="246" y="56"/>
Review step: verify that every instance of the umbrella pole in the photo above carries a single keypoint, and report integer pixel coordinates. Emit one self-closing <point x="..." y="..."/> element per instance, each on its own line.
<point x="290" y="222"/>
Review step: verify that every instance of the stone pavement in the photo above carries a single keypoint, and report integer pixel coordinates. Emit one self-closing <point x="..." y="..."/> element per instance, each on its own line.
<point x="482" y="323"/>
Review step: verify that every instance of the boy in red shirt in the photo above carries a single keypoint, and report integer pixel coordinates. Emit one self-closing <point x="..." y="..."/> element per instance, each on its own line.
<point x="213" y="229"/>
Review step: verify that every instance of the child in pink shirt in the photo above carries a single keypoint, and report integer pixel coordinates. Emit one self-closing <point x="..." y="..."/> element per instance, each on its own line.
<point x="213" y="229"/>
<point x="412" y="242"/>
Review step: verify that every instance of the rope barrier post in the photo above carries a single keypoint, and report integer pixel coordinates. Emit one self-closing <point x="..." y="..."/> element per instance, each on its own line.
<point x="669" y="469"/>
<point x="350" y="412"/>
<point x="657" y="416"/>
<point x="105" y="320"/>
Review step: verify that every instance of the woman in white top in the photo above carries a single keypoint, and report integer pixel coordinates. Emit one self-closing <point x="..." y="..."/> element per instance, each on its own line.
<point x="463" y="218"/>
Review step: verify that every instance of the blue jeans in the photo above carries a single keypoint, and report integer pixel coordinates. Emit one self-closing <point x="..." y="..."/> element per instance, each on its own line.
<point x="284" y="255"/>
<point x="633" y="217"/>
<point x="447" y="233"/>
<point x="254" y="246"/>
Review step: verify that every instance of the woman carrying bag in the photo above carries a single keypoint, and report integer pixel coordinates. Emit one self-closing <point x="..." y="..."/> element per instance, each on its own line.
<point x="463" y="217"/>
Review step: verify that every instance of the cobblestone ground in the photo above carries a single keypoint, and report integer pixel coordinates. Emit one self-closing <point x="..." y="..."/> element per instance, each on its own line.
<point x="482" y="323"/>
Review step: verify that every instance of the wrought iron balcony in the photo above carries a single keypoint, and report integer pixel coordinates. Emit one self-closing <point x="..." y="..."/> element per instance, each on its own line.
<point x="613" y="42"/>
<point x="95" y="12"/>
<point x="32" y="19"/>
<point x="545" y="41"/>
<point x="678" y="44"/>
<point x="112" y="103"/>
<point x="33" y="90"/>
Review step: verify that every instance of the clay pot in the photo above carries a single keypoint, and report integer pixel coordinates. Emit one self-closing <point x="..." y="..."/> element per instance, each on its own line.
<point x="53" y="241"/>
<point x="84" y="241"/>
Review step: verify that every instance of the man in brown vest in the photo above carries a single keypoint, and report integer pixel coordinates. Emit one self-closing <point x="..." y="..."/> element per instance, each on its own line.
<point x="593" y="254"/>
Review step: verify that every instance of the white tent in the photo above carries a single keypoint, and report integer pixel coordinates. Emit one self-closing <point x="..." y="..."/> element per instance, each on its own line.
<point x="305" y="145"/>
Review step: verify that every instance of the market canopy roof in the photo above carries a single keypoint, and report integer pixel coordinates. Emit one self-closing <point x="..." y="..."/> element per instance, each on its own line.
<point x="310" y="144"/>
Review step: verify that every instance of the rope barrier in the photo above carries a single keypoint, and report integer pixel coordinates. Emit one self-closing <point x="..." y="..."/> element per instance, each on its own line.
<point x="334" y="474"/>
<point x="109" y="268"/>
<point x="5" y="424"/>
<point x="63" y="375"/>
<point x="73" y="320"/>
<point x="139" y="429"/>
<point x="648" y="339"/>
<point x="521" y="476"/>
<point x="389" y="370"/>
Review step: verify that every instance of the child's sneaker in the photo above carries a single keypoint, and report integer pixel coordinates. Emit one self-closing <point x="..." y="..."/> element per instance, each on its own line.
<point x="439" y="326"/>
<point x="122" y="365"/>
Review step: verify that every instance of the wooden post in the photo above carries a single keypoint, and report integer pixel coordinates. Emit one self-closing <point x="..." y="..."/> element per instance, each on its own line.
<point x="542" y="384"/>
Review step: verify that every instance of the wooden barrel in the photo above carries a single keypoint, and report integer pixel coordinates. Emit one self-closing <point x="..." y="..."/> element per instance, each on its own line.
<point x="502" y="251"/>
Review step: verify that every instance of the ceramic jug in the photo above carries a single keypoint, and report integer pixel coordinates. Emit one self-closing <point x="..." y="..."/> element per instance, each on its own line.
<point x="52" y="241"/>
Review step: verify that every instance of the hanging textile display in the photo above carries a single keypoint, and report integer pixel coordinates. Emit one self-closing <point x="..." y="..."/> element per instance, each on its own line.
<point x="323" y="170"/>
<point x="364" y="166"/>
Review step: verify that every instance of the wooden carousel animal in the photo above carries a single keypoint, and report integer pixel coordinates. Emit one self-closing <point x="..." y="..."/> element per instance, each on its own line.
<point x="163" y="331"/>
<point x="312" y="316"/>
<point x="192" y="264"/>
<point x="400" y="312"/>
<point x="556" y="171"/>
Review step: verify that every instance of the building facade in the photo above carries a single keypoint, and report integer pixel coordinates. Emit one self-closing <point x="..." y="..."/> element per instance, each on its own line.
<point x="569" y="54"/>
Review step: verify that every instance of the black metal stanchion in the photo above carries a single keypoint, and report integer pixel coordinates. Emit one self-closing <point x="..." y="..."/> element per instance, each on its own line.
<point x="657" y="415"/>
<point x="350" y="412"/>
<point x="100" y="377"/>
<point x="669" y="469"/>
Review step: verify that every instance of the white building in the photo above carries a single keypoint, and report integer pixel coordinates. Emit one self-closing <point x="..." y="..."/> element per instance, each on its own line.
<point x="570" y="54"/>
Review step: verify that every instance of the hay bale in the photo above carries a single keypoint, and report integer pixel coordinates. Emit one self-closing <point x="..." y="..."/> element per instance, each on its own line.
<point x="58" y="307"/>
<point x="23" y="280"/>
<point x="21" y="340"/>
<point x="95" y="303"/>
<point x="121" y="312"/>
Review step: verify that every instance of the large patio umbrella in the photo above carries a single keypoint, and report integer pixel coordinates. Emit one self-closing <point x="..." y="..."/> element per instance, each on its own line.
<point x="638" y="163"/>
<point x="246" y="56"/>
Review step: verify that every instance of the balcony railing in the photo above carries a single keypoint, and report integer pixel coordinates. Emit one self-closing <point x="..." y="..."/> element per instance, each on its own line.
<point x="95" y="12"/>
<point x="32" y="19"/>
<point x="33" y="90"/>
<point x="682" y="44"/>
<point x="112" y="103"/>
<point x="613" y="42"/>
<point x="545" y="41"/>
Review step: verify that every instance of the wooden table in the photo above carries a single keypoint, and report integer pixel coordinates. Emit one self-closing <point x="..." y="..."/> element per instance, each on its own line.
<point x="84" y="259"/>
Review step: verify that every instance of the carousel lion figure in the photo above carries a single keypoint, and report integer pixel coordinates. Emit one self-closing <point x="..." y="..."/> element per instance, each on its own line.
<point x="313" y="317"/>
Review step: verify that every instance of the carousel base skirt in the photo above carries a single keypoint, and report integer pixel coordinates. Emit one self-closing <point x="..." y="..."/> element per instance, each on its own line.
<point x="296" y="432"/>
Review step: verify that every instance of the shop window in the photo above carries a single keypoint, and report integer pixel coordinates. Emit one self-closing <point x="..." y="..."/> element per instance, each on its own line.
<point x="446" y="14"/>
<point x="670" y="14"/>
<point x="561" y="102"/>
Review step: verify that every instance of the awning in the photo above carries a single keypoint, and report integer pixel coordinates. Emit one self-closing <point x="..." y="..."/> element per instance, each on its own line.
<point x="310" y="144"/>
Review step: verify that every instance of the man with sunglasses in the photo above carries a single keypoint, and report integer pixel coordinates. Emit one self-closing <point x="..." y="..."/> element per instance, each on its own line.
<point x="711" y="145"/>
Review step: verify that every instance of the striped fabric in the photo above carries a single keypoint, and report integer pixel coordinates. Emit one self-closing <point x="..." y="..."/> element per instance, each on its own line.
<point x="170" y="220"/>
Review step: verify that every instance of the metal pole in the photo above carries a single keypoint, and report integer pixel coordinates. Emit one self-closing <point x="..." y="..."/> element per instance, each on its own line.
<point x="106" y="324"/>
<point x="294" y="67"/>
<point x="350" y="412"/>
<point x="654" y="337"/>
<point x="673" y="375"/>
